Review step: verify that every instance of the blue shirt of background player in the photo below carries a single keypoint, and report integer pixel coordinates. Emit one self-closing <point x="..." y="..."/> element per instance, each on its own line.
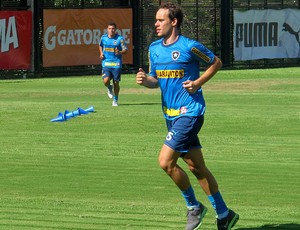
<point x="111" y="60"/>
<point x="174" y="64"/>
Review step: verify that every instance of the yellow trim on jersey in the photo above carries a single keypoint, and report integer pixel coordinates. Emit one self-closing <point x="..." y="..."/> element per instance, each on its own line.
<point x="170" y="73"/>
<point x="111" y="64"/>
<point x="109" y="49"/>
<point x="172" y="112"/>
<point x="201" y="55"/>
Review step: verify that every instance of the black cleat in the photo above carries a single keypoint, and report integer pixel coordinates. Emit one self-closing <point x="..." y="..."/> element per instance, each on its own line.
<point x="228" y="222"/>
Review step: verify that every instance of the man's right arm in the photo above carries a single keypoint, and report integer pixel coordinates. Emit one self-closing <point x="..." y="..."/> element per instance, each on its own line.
<point x="101" y="52"/>
<point x="143" y="79"/>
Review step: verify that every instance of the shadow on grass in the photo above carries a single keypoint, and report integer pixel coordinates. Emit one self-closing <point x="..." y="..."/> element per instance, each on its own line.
<point x="275" y="227"/>
<point x="12" y="81"/>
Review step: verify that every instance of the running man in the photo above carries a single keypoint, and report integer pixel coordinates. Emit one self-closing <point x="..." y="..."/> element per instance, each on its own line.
<point x="111" y="47"/>
<point x="174" y="67"/>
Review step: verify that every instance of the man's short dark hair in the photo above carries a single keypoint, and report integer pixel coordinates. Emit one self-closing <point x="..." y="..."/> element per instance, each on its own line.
<point x="112" y="24"/>
<point x="174" y="12"/>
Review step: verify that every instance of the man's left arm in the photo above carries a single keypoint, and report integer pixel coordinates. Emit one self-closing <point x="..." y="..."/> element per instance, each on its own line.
<point x="193" y="86"/>
<point x="120" y="52"/>
<point x="123" y="50"/>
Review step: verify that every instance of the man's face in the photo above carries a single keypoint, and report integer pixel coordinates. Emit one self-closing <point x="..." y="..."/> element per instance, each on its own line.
<point x="111" y="31"/>
<point x="163" y="23"/>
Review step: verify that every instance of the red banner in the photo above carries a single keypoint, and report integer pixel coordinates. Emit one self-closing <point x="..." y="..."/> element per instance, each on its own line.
<point x="71" y="36"/>
<point x="15" y="39"/>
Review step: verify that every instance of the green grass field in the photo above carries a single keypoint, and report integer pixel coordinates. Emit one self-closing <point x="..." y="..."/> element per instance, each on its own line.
<point x="100" y="171"/>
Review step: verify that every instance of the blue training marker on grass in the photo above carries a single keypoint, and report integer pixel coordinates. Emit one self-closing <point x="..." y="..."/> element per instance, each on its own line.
<point x="60" y="117"/>
<point x="89" y="109"/>
<point x="67" y="115"/>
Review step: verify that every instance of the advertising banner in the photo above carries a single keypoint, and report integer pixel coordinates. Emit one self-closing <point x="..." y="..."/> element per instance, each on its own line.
<point x="15" y="39"/>
<point x="268" y="33"/>
<point x="71" y="36"/>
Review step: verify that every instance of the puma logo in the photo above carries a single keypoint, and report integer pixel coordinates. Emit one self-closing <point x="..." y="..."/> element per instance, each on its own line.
<point x="288" y="28"/>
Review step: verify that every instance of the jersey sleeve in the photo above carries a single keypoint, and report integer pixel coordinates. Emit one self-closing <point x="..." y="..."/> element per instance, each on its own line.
<point x="152" y="70"/>
<point x="201" y="53"/>
<point x="100" y="41"/>
<point x="123" y="44"/>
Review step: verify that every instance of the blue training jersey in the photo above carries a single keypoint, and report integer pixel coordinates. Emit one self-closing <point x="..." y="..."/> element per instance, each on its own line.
<point x="111" y="60"/>
<point x="173" y="64"/>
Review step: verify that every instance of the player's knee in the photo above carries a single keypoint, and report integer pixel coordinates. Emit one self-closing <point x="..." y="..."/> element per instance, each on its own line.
<point x="192" y="169"/>
<point x="199" y="172"/>
<point x="165" y="165"/>
<point x="106" y="81"/>
<point x="162" y="164"/>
